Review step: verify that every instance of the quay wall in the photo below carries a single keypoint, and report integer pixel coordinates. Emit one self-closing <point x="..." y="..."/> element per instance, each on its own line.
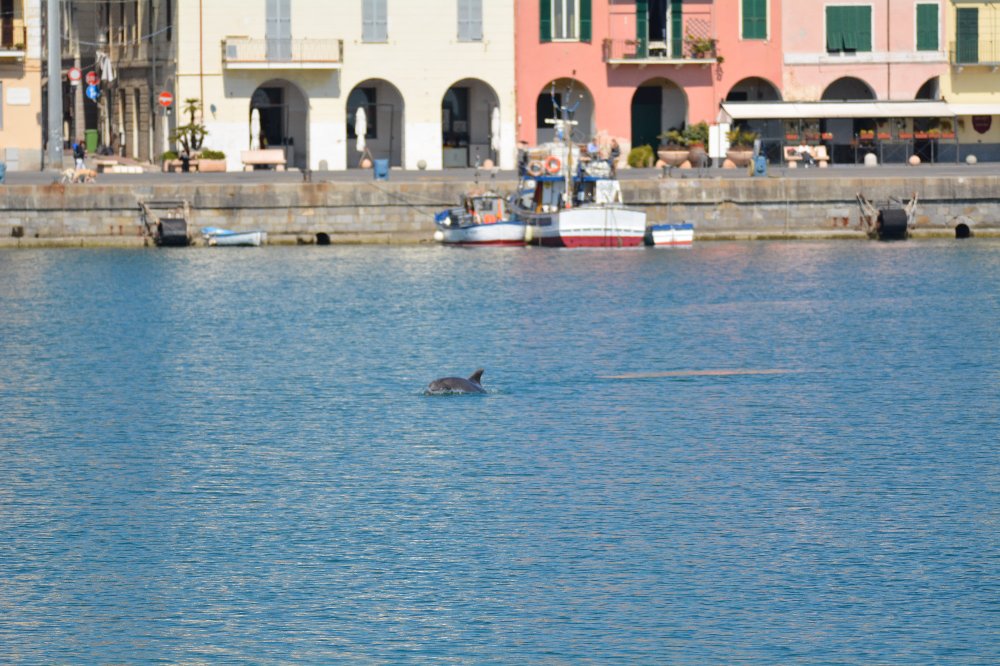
<point x="402" y="212"/>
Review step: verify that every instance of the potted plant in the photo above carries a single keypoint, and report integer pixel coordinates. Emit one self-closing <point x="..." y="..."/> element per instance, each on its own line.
<point x="740" y="151"/>
<point x="701" y="47"/>
<point x="695" y="137"/>
<point x="191" y="135"/>
<point x="170" y="159"/>
<point x="673" y="148"/>
<point x="827" y="136"/>
<point x="640" y="157"/>
<point x="211" y="160"/>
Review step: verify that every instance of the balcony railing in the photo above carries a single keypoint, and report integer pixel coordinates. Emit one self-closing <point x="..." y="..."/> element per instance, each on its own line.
<point x="13" y="37"/>
<point x="247" y="53"/>
<point x="688" y="51"/>
<point x="974" y="52"/>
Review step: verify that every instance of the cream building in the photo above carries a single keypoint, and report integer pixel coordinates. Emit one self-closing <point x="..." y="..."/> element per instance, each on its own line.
<point x="435" y="79"/>
<point x="20" y="84"/>
<point x="972" y="84"/>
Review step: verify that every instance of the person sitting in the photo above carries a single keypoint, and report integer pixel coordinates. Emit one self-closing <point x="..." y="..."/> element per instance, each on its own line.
<point x="613" y="154"/>
<point x="806" y="154"/>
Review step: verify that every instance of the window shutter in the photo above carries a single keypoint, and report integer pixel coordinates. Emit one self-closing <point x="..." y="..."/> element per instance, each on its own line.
<point x="864" y="27"/>
<point x="641" y="28"/>
<point x="545" y="14"/>
<point x="464" y="29"/>
<point x="585" y="22"/>
<point x="967" y="34"/>
<point x="754" y="19"/>
<point x="367" y="20"/>
<point x="677" y="28"/>
<point x="927" y="28"/>
<point x="476" y="20"/>
<point x="834" y="29"/>
<point x="381" y="20"/>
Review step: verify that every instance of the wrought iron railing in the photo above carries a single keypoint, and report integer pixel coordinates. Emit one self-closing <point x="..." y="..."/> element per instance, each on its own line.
<point x="13" y="35"/>
<point x="974" y="52"/>
<point x="693" y="49"/>
<point x="244" y="50"/>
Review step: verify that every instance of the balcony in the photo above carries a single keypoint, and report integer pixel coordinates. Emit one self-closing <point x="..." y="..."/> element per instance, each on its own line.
<point x="679" y="52"/>
<point x="13" y="39"/>
<point x="974" y="53"/>
<point x="247" y="53"/>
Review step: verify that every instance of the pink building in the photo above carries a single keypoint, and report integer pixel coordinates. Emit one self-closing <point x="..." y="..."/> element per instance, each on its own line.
<point x="633" y="69"/>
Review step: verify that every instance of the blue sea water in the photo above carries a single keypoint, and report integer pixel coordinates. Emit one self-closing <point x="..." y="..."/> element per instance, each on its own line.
<point x="226" y="456"/>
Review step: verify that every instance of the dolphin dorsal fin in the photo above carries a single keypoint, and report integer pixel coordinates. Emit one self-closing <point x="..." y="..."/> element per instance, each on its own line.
<point x="477" y="376"/>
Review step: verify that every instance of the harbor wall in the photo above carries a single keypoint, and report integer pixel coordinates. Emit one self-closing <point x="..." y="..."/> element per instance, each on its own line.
<point x="402" y="212"/>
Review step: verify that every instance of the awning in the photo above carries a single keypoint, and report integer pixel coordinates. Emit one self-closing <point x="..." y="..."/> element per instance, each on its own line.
<point x="808" y="110"/>
<point x="975" y="109"/>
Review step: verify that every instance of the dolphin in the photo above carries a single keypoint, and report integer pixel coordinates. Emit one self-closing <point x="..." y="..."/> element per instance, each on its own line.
<point x="458" y="384"/>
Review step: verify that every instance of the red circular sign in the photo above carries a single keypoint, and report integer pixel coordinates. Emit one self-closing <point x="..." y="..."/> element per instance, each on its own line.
<point x="92" y="78"/>
<point x="74" y="74"/>
<point x="165" y="99"/>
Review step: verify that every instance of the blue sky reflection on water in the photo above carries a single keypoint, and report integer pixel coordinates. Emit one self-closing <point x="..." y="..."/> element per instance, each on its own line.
<point x="227" y="456"/>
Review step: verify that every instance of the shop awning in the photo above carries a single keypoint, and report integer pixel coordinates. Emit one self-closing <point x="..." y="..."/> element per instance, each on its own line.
<point x="975" y="109"/>
<point x="820" y="110"/>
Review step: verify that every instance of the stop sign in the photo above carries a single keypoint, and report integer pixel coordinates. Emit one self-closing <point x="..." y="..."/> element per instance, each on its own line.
<point x="165" y="99"/>
<point x="92" y="78"/>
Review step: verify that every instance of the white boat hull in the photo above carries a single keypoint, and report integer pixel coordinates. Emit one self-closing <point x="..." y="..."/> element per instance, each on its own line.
<point x="672" y="234"/>
<point x="588" y="226"/>
<point x="496" y="233"/>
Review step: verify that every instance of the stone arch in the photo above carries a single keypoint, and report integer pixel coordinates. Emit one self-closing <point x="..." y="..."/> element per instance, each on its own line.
<point x="284" y="119"/>
<point x="754" y="89"/>
<point x="931" y="89"/>
<point x="577" y="98"/>
<point x="658" y="105"/>
<point x="467" y="127"/>
<point x="384" y="110"/>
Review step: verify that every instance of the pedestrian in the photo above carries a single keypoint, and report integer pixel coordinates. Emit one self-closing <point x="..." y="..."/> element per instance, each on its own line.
<point x="79" y="153"/>
<point x="613" y="154"/>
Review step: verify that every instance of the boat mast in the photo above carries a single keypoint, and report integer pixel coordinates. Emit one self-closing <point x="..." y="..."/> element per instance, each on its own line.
<point x="564" y="124"/>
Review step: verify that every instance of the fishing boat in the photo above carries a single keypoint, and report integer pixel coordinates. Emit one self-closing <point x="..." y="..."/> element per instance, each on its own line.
<point x="566" y="201"/>
<point x="482" y="219"/>
<point x="224" y="237"/>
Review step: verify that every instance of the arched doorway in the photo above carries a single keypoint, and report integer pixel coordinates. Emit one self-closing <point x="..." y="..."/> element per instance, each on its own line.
<point x="569" y="94"/>
<point x="470" y="132"/>
<point x="284" y="119"/>
<point x="758" y="89"/>
<point x="844" y="130"/>
<point x="658" y="105"/>
<point x="930" y="90"/>
<point x="383" y="105"/>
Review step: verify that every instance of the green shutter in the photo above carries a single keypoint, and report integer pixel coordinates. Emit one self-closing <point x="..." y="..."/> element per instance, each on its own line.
<point x="545" y="13"/>
<point x="585" y="23"/>
<point x="754" y="19"/>
<point x="834" y="29"/>
<point x="676" y="29"/>
<point x="641" y="28"/>
<point x="967" y="35"/>
<point x="927" y="28"/>
<point x="863" y="28"/>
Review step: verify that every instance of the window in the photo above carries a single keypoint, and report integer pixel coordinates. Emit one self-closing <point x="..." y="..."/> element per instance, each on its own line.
<point x="754" y="19"/>
<point x="566" y="20"/>
<point x="967" y="35"/>
<point x="470" y="20"/>
<point x="278" y="31"/>
<point x="927" y="27"/>
<point x="374" y="21"/>
<point x="848" y="29"/>
<point x="659" y="27"/>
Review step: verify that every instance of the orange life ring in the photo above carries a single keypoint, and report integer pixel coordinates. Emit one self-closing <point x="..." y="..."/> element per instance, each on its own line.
<point x="535" y="168"/>
<point x="553" y="164"/>
<point x="489" y="218"/>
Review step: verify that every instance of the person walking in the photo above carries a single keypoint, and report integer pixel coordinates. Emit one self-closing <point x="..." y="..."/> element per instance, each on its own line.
<point x="79" y="154"/>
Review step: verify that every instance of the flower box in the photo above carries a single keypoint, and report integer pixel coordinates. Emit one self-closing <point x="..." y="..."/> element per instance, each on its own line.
<point x="792" y="137"/>
<point x="947" y="135"/>
<point x="884" y="136"/>
<point x="906" y="135"/>
<point x="921" y="135"/>
<point x="827" y="136"/>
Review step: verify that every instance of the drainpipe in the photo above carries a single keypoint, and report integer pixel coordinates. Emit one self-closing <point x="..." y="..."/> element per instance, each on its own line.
<point x="201" y="62"/>
<point x="888" y="51"/>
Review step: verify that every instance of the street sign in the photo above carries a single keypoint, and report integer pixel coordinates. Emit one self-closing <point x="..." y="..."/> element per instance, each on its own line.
<point x="92" y="78"/>
<point x="93" y="92"/>
<point x="165" y="99"/>
<point x="74" y="76"/>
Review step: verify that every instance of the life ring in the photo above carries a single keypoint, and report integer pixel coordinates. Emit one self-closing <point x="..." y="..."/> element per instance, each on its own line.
<point x="489" y="218"/>
<point x="535" y="168"/>
<point x="553" y="164"/>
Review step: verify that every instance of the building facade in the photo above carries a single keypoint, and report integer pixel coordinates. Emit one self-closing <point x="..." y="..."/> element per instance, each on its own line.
<point x="21" y="130"/>
<point x="433" y="81"/>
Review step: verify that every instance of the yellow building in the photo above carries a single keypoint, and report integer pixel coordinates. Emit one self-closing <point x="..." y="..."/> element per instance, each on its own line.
<point x="972" y="84"/>
<point x="20" y="84"/>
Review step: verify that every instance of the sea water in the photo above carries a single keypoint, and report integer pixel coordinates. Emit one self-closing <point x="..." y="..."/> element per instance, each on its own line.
<point x="752" y="453"/>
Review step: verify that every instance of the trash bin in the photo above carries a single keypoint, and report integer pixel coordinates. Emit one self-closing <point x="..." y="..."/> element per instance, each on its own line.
<point x="90" y="137"/>
<point x="381" y="169"/>
<point x="3" y="172"/>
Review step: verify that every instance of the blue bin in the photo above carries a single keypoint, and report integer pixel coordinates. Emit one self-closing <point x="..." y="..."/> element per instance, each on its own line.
<point x="3" y="171"/>
<point x="381" y="169"/>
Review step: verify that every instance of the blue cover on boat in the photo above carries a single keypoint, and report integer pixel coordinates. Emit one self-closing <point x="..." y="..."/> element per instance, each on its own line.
<point x="441" y="217"/>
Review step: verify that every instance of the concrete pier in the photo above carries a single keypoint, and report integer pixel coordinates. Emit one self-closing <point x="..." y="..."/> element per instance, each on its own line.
<point x="401" y="211"/>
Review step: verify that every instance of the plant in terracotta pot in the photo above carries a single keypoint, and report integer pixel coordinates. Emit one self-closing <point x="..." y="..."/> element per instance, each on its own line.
<point x="211" y="160"/>
<point x="740" y="151"/>
<point x="696" y="136"/>
<point x="673" y="148"/>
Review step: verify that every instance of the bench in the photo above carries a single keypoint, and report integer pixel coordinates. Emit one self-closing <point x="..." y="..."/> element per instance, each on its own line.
<point x="274" y="157"/>
<point x="792" y="156"/>
<point x="103" y="165"/>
